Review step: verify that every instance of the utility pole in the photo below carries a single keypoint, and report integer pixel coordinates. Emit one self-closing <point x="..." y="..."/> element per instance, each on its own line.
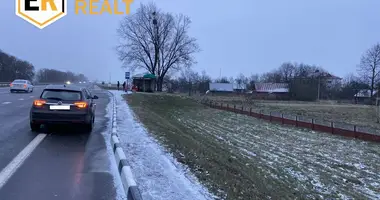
<point x="109" y="82"/>
<point x="319" y="86"/>
<point x="377" y="106"/>
<point x="319" y="83"/>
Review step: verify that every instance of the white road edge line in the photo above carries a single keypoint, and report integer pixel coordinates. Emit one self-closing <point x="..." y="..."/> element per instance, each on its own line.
<point x="12" y="167"/>
<point x="7" y="102"/>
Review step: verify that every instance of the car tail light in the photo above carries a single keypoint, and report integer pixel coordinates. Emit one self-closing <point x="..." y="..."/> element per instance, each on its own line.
<point x="81" y="104"/>
<point x="24" y="85"/>
<point x="11" y="85"/>
<point x="39" y="102"/>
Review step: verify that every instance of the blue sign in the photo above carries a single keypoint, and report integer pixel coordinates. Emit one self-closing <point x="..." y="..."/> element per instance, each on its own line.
<point x="127" y="75"/>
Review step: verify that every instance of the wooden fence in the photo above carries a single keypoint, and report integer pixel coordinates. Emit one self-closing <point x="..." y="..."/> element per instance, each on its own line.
<point x="353" y="133"/>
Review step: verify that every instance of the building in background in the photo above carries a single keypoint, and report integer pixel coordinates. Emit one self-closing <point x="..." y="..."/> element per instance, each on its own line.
<point x="221" y="87"/>
<point x="273" y="91"/>
<point x="364" y="97"/>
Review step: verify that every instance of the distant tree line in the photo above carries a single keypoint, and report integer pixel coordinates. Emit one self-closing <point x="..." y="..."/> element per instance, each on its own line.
<point x="12" y="68"/>
<point x="303" y="79"/>
<point x="188" y="81"/>
<point x="56" y="76"/>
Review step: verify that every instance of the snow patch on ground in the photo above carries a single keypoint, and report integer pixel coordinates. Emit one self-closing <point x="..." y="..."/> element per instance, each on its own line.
<point x="157" y="173"/>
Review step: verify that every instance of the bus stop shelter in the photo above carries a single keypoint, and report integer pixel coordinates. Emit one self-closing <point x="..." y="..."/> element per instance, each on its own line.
<point x="145" y="82"/>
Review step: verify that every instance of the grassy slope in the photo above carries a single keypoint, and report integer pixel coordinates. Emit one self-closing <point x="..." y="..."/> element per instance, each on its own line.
<point x="215" y="164"/>
<point x="288" y="163"/>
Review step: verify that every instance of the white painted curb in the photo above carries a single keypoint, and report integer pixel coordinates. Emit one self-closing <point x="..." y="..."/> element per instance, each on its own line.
<point x="125" y="172"/>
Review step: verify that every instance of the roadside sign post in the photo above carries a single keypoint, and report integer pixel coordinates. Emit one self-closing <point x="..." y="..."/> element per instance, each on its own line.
<point x="127" y="77"/>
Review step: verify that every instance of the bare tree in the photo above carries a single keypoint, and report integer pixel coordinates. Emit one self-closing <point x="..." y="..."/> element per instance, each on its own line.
<point x="287" y="71"/>
<point x="222" y="80"/>
<point x="241" y="81"/>
<point x="191" y="77"/>
<point x="156" y="41"/>
<point x="254" y="78"/>
<point x="369" y="67"/>
<point x="272" y="77"/>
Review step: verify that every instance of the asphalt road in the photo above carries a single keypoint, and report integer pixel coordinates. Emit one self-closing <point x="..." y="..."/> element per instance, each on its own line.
<point x="66" y="165"/>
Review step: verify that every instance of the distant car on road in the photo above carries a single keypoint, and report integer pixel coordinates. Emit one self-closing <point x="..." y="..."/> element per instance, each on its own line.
<point x="63" y="104"/>
<point x="21" y="85"/>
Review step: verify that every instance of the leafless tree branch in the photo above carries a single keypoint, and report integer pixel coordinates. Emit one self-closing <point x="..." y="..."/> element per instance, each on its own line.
<point x="156" y="41"/>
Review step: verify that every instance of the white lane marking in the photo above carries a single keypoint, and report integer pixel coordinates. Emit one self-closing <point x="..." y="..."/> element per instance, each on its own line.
<point x="7" y="102"/>
<point x="31" y="97"/>
<point x="11" y="168"/>
<point x="21" y="99"/>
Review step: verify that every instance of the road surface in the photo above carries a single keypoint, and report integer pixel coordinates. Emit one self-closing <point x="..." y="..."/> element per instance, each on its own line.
<point x="65" y="164"/>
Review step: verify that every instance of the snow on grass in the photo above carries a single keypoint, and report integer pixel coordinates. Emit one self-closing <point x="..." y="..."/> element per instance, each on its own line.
<point x="318" y="164"/>
<point x="157" y="173"/>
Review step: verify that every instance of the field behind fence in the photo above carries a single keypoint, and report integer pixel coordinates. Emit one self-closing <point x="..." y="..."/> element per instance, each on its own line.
<point x="338" y="128"/>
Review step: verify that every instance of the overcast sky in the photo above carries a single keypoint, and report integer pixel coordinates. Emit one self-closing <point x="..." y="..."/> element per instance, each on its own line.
<point x="249" y="36"/>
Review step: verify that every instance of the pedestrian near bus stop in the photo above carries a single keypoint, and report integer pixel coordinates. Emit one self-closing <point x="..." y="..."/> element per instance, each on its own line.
<point x="124" y="86"/>
<point x="118" y="85"/>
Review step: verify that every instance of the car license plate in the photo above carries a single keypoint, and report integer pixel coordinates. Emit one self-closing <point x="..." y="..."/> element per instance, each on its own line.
<point x="60" y="107"/>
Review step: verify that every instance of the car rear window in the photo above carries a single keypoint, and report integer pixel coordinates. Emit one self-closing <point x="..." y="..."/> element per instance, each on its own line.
<point x="18" y="81"/>
<point x="65" y="95"/>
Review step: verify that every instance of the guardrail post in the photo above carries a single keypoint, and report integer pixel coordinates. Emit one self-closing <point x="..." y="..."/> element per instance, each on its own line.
<point x="312" y="124"/>
<point x="296" y="120"/>
<point x="282" y="118"/>
<point x="354" y="128"/>
<point x="242" y="110"/>
<point x="332" y="127"/>
<point x="270" y="116"/>
<point x="250" y="111"/>
<point x="234" y="108"/>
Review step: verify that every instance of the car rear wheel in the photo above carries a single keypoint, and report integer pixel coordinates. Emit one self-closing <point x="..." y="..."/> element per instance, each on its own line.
<point x="35" y="127"/>
<point x="88" y="127"/>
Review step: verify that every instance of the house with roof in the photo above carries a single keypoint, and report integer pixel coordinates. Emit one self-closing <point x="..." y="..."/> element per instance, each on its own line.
<point x="364" y="96"/>
<point x="221" y="87"/>
<point x="329" y="79"/>
<point x="278" y="91"/>
<point x="227" y="87"/>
